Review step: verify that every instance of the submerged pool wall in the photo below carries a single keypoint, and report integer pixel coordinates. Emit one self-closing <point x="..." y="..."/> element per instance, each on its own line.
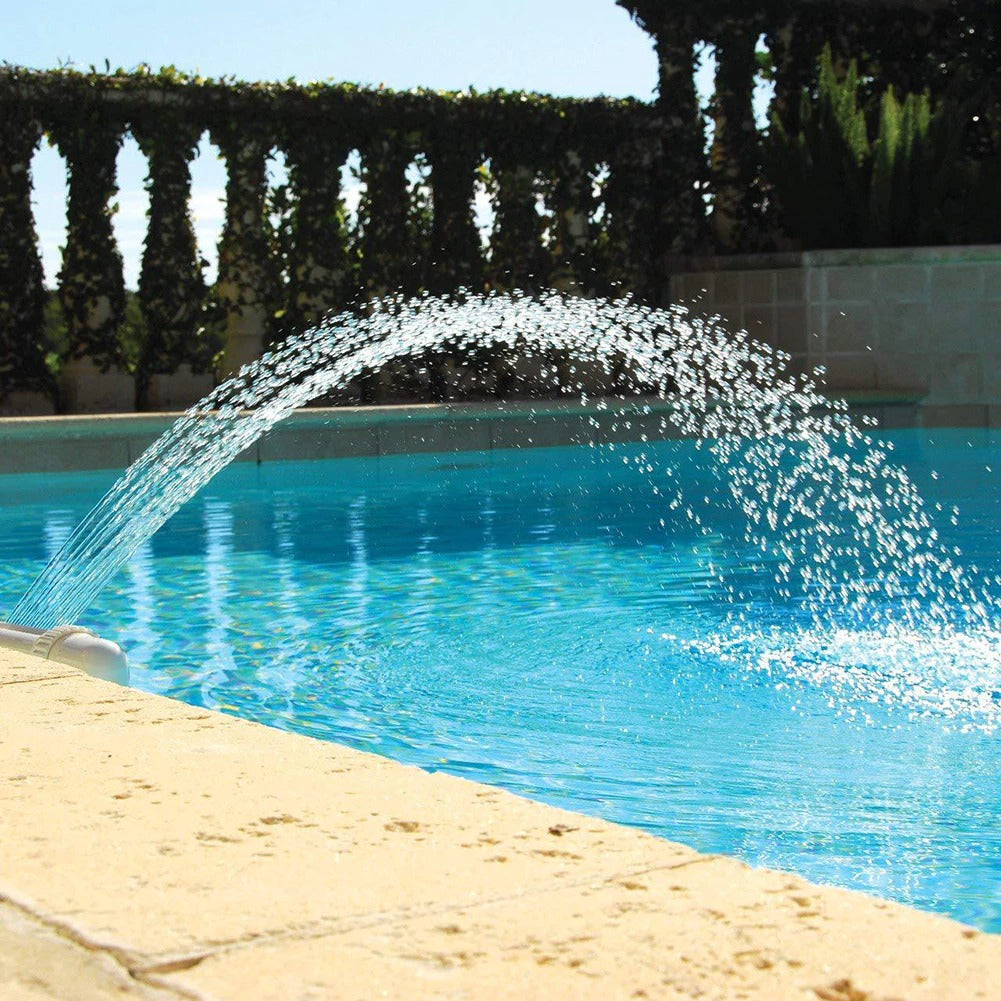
<point x="921" y="321"/>
<point x="115" y="441"/>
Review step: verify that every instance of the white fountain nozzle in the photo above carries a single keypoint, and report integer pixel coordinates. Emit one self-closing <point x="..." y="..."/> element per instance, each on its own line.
<point x="72" y="645"/>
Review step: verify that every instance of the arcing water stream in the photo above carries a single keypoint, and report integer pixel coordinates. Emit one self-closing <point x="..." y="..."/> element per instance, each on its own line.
<point x="787" y="458"/>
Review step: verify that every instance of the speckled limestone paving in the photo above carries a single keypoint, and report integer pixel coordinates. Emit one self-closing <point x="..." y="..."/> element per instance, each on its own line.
<point x="149" y="849"/>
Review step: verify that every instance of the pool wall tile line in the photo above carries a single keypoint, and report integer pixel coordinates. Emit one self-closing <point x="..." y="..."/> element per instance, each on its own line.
<point x="51" y="444"/>
<point x="152" y="849"/>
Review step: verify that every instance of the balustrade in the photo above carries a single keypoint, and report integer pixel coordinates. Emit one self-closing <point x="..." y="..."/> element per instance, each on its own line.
<point x="518" y="259"/>
<point x="735" y="152"/>
<point x="91" y="283"/>
<point x="388" y="261"/>
<point x="320" y="272"/>
<point x="573" y="196"/>
<point x="456" y="255"/>
<point x="661" y="192"/>
<point x="246" y="286"/>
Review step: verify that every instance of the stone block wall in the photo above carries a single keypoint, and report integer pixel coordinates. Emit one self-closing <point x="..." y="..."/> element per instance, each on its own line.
<point x="912" y="322"/>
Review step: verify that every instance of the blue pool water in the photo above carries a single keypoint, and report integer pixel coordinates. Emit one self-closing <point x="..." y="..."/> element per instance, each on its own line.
<point x="539" y="619"/>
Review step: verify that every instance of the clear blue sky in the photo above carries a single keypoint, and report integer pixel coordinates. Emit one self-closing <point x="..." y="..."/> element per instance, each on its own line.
<point x="572" y="47"/>
<point x="567" y="47"/>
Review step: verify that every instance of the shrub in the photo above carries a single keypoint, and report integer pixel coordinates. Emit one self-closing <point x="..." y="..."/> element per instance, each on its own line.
<point x="878" y="172"/>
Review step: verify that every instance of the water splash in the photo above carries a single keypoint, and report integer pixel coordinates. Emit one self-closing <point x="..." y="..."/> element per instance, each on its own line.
<point x="787" y="458"/>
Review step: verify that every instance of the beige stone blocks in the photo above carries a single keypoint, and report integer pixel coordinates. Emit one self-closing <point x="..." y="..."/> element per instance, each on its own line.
<point x="903" y="371"/>
<point x="698" y="287"/>
<point x="992" y="280"/>
<point x="178" y="390"/>
<point x="729" y="287"/>
<point x="760" y="323"/>
<point x="903" y="283"/>
<point x="70" y="454"/>
<point x="962" y="282"/>
<point x="792" y="328"/>
<point x="614" y="427"/>
<point x="925" y="321"/>
<point x="956" y="415"/>
<point x="790" y="286"/>
<point x="731" y="315"/>
<point x="85" y="389"/>
<point x="850" y="370"/>
<point x="434" y="436"/>
<point x="848" y="284"/>
<point x="990" y="372"/>
<point x="542" y="431"/>
<point x="25" y="403"/>
<point x="294" y="443"/>
<point x="904" y="327"/>
<point x="759" y="287"/>
<point x="956" y="379"/>
<point x="851" y="328"/>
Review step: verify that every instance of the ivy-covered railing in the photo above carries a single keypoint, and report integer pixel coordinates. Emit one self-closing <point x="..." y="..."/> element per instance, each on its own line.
<point x="537" y="156"/>
<point x="950" y="49"/>
<point x="591" y="195"/>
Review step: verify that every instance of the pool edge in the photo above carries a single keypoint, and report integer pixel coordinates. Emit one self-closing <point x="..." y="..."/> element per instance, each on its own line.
<point x="114" y="441"/>
<point x="192" y="854"/>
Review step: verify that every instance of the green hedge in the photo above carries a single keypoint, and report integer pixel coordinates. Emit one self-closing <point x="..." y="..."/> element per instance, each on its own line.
<point x="868" y="171"/>
<point x="288" y="254"/>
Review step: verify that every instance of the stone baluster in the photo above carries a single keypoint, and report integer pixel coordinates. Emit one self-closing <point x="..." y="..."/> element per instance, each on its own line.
<point x="245" y="285"/>
<point x="171" y="283"/>
<point x="680" y="222"/>
<point x="321" y="274"/>
<point x="456" y="254"/>
<point x="22" y="348"/>
<point x="455" y="257"/>
<point x="388" y="264"/>
<point x="91" y="282"/>
<point x="795" y="41"/>
<point x="518" y="259"/>
<point x="574" y="202"/>
<point x="387" y="255"/>
<point x="628" y="195"/>
<point x="735" y="153"/>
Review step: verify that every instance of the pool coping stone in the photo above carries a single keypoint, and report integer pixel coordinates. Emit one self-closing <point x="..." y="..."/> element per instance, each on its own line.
<point x="114" y="441"/>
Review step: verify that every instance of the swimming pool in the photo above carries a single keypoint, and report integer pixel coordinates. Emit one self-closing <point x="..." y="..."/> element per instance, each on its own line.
<point x="522" y="617"/>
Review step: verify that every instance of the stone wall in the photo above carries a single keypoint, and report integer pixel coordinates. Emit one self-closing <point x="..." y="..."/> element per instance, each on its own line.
<point x="915" y="322"/>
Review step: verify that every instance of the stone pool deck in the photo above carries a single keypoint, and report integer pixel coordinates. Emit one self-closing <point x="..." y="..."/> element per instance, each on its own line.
<point x="149" y="849"/>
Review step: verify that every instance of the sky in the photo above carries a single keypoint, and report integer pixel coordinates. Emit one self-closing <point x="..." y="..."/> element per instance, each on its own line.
<point x="577" y="48"/>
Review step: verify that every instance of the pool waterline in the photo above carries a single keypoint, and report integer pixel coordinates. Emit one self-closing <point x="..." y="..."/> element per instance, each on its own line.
<point x="115" y="441"/>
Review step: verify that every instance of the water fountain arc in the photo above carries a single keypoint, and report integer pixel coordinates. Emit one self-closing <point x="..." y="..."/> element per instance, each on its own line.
<point x="796" y="634"/>
<point x="784" y="452"/>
